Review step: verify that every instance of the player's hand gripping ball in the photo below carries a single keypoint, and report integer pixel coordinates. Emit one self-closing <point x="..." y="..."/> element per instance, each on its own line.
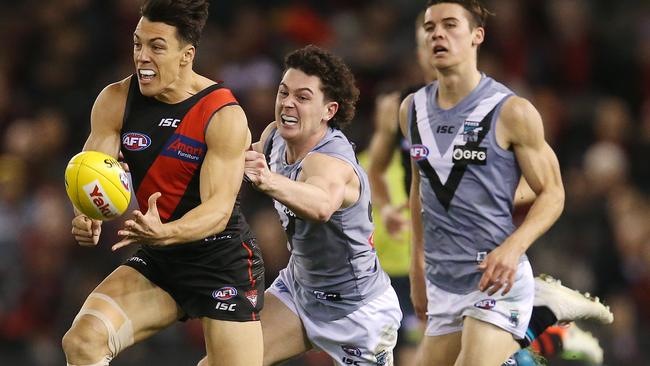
<point x="97" y="185"/>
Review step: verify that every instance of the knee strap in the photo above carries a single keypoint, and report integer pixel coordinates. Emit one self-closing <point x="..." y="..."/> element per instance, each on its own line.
<point x="120" y="335"/>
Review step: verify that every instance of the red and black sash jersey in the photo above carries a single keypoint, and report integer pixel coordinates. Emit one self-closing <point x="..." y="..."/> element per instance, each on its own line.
<point x="164" y="145"/>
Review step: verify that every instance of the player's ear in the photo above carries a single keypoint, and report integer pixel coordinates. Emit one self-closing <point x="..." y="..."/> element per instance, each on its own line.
<point x="479" y="36"/>
<point x="331" y="109"/>
<point x="188" y="55"/>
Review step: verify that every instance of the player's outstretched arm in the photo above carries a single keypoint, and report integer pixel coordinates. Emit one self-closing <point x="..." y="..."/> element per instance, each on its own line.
<point x="227" y="138"/>
<point x="416" y="272"/>
<point x="520" y="126"/>
<point x="321" y="188"/>
<point x="105" y="124"/>
<point x="381" y="152"/>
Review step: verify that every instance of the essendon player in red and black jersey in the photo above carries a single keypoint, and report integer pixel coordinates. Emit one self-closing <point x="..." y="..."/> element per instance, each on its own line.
<point x="184" y="138"/>
<point x="165" y="146"/>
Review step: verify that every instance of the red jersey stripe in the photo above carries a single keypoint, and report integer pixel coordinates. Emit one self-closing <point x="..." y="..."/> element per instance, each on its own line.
<point x="250" y="264"/>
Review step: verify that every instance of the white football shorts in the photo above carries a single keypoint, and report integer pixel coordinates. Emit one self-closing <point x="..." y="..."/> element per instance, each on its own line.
<point x="366" y="336"/>
<point x="446" y="310"/>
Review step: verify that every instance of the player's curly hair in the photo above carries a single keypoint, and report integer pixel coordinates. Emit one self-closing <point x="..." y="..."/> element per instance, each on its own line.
<point x="476" y="8"/>
<point x="188" y="16"/>
<point x="337" y="81"/>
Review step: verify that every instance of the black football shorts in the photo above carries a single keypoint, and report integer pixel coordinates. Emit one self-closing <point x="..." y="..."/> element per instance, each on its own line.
<point x="220" y="277"/>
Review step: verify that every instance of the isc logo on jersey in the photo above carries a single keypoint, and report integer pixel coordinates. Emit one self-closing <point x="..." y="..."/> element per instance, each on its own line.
<point x="419" y="152"/>
<point x="469" y="155"/>
<point x="168" y="122"/>
<point x="135" y="141"/>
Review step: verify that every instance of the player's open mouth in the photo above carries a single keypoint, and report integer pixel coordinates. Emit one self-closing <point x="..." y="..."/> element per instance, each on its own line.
<point x="288" y="120"/>
<point x="146" y="74"/>
<point x="437" y="50"/>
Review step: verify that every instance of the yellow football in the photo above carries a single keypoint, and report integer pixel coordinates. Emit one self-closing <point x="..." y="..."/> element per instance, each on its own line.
<point x="97" y="185"/>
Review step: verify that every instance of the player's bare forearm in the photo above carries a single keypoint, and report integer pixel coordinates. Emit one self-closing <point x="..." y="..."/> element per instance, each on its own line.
<point x="380" y="194"/>
<point x="309" y="200"/>
<point x="542" y="215"/>
<point x="376" y="171"/>
<point x="319" y="191"/>
<point x="209" y="218"/>
<point x="212" y="215"/>
<point x="548" y="204"/>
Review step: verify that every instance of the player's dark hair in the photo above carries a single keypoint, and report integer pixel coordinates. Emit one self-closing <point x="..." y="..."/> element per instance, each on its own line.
<point x="188" y="16"/>
<point x="337" y="81"/>
<point x="478" y="11"/>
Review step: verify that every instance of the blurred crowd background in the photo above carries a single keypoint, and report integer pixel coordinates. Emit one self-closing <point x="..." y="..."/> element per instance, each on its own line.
<point x="585" y="64"/>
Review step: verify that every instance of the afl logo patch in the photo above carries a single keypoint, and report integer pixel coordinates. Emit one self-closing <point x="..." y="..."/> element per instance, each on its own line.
<point x="224" y="293"/>
<point x="419" y="152"/>
<point x="134" y="141"/>
<point x="351" y="350"/>
<point x="486" y="304"/>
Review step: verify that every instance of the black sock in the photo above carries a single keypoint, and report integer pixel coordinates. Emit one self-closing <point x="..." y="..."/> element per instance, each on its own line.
<point x="541" y="318"/>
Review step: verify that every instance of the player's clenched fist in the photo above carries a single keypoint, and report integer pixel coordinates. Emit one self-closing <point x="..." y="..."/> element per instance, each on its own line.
<point x="86" y="231"/>
<point x="257" y="170"/>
